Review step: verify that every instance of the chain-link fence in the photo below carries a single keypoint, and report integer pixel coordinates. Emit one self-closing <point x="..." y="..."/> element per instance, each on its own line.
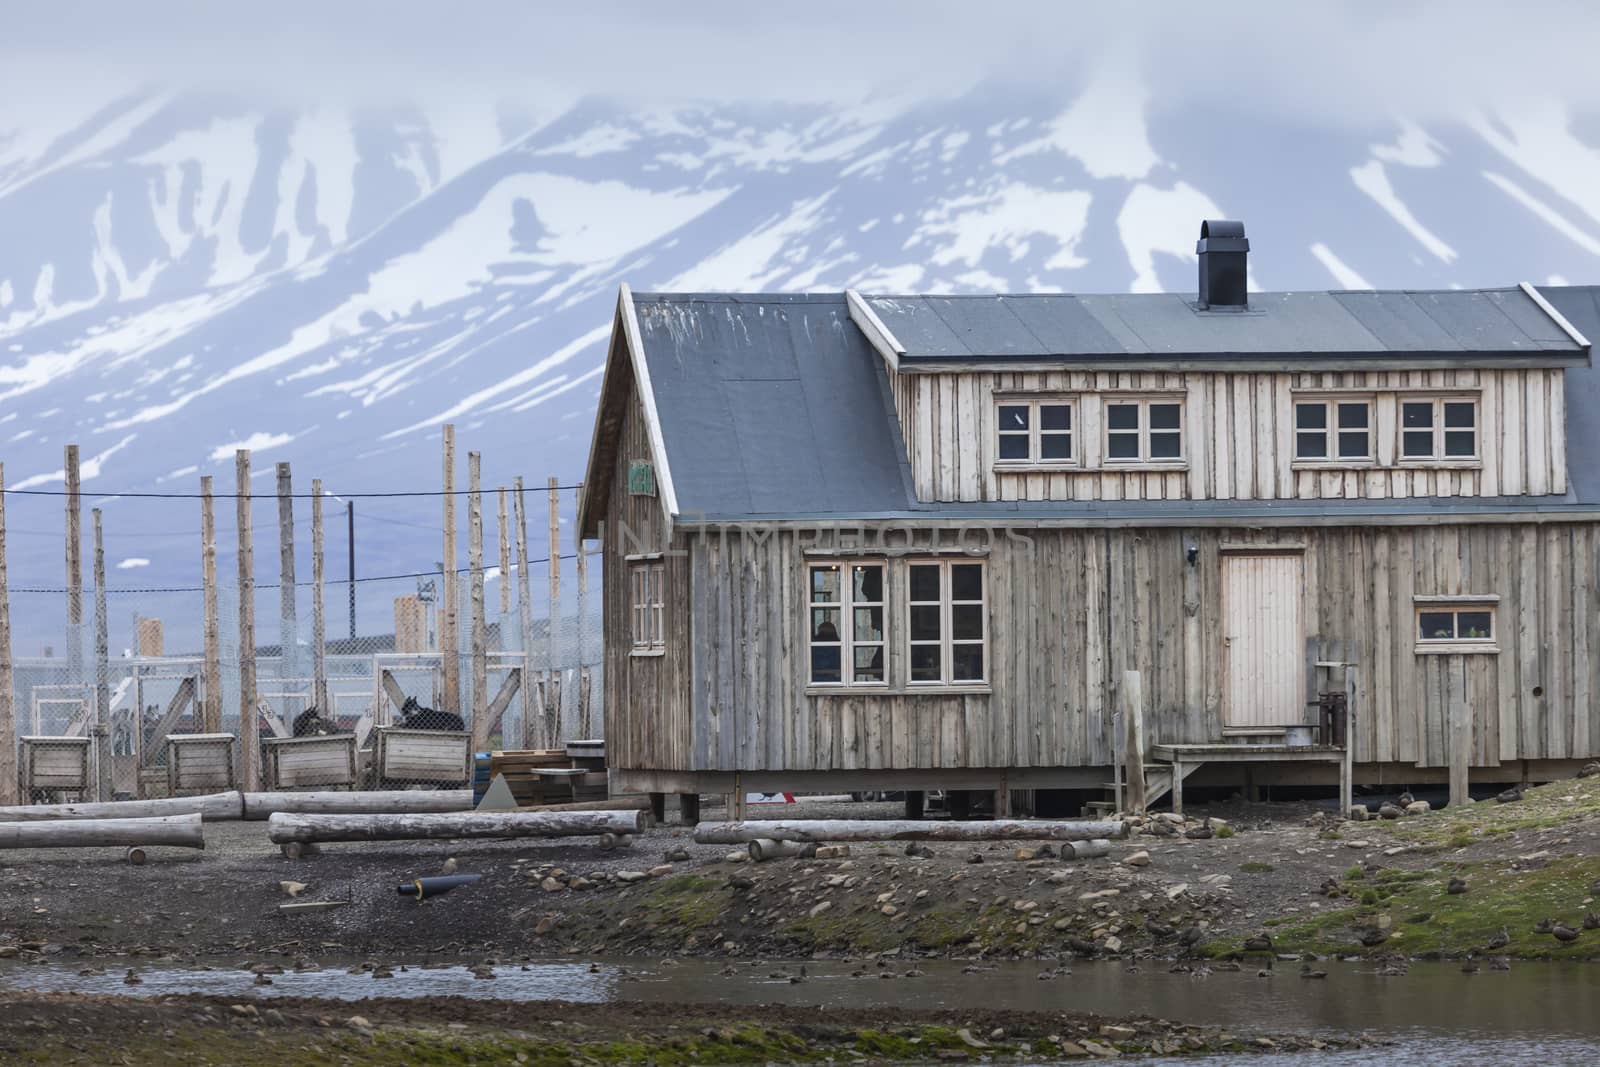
<point x="391" y="708"/>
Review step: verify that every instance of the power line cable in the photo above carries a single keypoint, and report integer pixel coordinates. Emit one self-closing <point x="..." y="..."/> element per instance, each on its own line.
<point x="326" y="493"/>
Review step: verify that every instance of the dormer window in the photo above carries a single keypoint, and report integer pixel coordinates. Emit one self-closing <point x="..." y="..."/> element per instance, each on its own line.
<point x="1333" y="430"/>
<point x="1035" y="431"/>
<point x="1441" y="429"/>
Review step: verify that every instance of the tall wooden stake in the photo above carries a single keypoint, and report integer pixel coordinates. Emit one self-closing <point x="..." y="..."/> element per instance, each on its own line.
<point x="449" y="630"/>
<point x="1133" y="748"/>
<point x="211" y="704"/>
<point x="553" y="691"/>
<point x="505" y="566"/>
<point x="319" y="654"/>
<point x="288" y="629"/>
<point x="585" y="727"/>
<point x="102" y="671"/>
<point x="74" y="569"/>
<point x="480" y="653"/>
<point x="249" y="716"/>
<point x="8" y="707"/>
<point x="532" y="710"/>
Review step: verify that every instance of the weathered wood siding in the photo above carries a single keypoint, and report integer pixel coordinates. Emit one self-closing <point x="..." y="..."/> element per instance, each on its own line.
<point x="1238" y="436"/>
<point x="646" y="697"/>
<point x="1069" y="610"/>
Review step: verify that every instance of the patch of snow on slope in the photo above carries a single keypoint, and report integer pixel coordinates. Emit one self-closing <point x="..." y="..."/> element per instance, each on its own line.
<point x="1372" y="179"/>
<point x="760" y="256"/>
<point x="1539" y="139"/>
<point x="108" y="260"/>
<point x="321" y="147"/>
<point x="89" y="468"/>
<point x="1342" y="272"/>
<point x="1011" y="216"/>
<point x="1413" y="148"/>
<point x="256" y="442"/>
<point x="221" y="160"/>
<point x="1549" y="215"/>
<point x="594" y="141"/>
<point x="1104" y="130"/>
<point x="522" y="377"/>
<point x="1161" y="220"/>
<point x="109" y="136"/>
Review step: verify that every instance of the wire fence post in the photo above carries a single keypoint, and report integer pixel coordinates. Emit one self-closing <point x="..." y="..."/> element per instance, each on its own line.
<point x="74" y="568"/>
<point x="8" y="707"/>
<point x="319" y="652"/>
<point x="102" y="672"/>
<point x="250" y="749"/>
<point x="288" y="627"/>
<point x="532" y="693"/>
<point x="449" y="633"/>
<point x="211" y="695"/>
<point x="553" y="691"/>
<point x="480" y="651"/>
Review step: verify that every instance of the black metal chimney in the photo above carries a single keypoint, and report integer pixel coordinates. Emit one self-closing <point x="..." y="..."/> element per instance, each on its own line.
<point x="1222" y="249"/>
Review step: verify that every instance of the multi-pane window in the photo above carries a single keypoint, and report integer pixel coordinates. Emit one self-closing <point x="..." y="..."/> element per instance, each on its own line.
<point x="1144" y="431"/>
<point x="1034" y="431"/>
<point x="1333" y="430"/>
<point x="1444" y="626"/>
<point x="647" y="580"/>
<point x="845" y="618"/>
<point x="946" y="626"/>
<point x="1439" y="428"/>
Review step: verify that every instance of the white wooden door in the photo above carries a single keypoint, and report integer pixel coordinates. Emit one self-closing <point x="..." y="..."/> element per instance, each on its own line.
<point x="1265" y="650"/>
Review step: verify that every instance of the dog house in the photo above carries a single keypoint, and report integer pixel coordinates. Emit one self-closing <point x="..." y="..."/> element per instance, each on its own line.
<point x="200" y="763"/>
<point x="56" y="765"/>
<point x="439" y="757"/>
<point x="320" y="761"/>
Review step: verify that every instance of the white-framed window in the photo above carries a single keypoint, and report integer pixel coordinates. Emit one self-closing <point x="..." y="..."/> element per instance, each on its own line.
<point x="1033" y="431"/>
<point x="647" y="579"/>
<point x="947" y="622"/>
<point x="845" y="619"/>
<point x="1333" y="430"/>
<point x="1143" y="430"/>
<point x="1456" y="624"/>
<point x="1438" y="429"/>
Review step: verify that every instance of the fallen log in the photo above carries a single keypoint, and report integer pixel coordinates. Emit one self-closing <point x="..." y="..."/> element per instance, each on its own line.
<point x="1085" y="850"/>
<point x="638" y="803"/>
<point x="825" y="830"/>
<point x="285" y="828"/>
<point x="213" y="807"/>
<point x="179" y="831"/>
<point x="762" y="850"/>
<point x="259" y="806"/>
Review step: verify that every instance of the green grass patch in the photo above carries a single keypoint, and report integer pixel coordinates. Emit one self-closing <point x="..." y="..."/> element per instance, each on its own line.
<point x="1257" y="867"/>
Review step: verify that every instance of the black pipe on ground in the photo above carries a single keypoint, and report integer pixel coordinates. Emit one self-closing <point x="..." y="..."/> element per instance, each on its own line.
<point x="423" y="888"/>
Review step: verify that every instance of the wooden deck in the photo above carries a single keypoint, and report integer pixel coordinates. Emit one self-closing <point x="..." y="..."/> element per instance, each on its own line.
<point x="1185" y="758"/>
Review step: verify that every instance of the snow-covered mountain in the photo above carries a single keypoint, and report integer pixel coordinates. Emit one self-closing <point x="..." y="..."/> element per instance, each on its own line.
<point x="183" y="273"/>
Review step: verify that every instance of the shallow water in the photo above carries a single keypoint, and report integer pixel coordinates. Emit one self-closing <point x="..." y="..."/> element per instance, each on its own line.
<point x="1547" y="1014"/>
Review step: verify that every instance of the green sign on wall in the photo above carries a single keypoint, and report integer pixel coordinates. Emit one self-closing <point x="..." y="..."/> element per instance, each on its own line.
<point x="641" y="478"/>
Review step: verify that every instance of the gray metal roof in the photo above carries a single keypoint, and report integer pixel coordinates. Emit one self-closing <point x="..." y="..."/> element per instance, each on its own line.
<point x="1580" y="305"/>
<point x="1482" y="325"/>
<point x="771" y="404"/>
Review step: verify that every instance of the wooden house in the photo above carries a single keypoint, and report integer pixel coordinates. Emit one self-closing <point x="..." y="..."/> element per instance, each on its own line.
<point x="878" y="542"/>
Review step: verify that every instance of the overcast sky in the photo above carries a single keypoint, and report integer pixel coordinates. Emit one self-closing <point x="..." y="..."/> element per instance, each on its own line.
<point x="1345" y="62"/>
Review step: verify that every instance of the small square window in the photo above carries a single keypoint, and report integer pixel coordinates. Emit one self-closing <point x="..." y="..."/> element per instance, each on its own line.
<point x="1033" y="432"/>
<point x="1330" y="429"/>
<point x="1455" y="626"/>
<point x="1441" y="428"/>
<point x="1149" y="431"/>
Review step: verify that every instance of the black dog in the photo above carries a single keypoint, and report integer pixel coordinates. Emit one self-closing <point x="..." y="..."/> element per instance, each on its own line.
<point x="414" y="716"/>
<point x="310" y="723"/>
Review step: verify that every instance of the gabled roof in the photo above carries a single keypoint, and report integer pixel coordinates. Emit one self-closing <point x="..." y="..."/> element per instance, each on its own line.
<point x="770" y="403"/>
<point x="1478" y="327"/>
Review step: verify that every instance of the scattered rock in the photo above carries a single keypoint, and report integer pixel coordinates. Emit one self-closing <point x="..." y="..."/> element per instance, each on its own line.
<point x="631" y="876"/>
<point x="1137" y="859"/>
<point x="1418" y="807"/>
<point x="832" y="852"/>
<point x="1510" y="795"/>
<point x="1389" y="811"/>
<point x="551" y="885"/>
<point x="448" y="866"/>
<point x="1359" y="813"/>
<point x="678" y="855"/>
<point x="1027" y="853"/>
<point x="358" y="1022"/>
<point x="292" y="889"/>
<point x="545" y="925"/>
<point x="660" y="870"/>
<point x="818" y="909"/>
<point x="739" y="856"/>
<point x="1113" y="943"/>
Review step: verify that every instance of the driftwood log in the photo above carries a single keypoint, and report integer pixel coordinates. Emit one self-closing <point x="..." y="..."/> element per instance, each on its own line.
<point x="762" y="850"/>
<point x="638" y="803"/>
<point x="825" y="830"/>
<point x="179" y="831"/>
<point x="372" y="802"/>
<point x="284" y="828"/>
<point x="1085" y="850"/>
<point x="213" y="807"/>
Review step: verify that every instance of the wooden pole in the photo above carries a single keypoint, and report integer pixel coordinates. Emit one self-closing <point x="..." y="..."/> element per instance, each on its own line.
<point x="289" y="638"/>
<point x="259" y="806"/>
<point x="180" y="831"/>
<point x="553" y="690"/>
<point x="319" y="653"/>
<point x="504" y="529"/>
<point x="8" y="707"/>
<point x="102" y="671"/>
<point x="284" y="828"/>
<point x="824" y="830"/>
<point x="1352" y="693"/>
<point x="250" y="749"/>
<point x="212" y="807"/>
<point x="585" y="727"/>
<point x="74" y="569"/>
<point x="449" y="637"/>
<point x="211" y="702"/>
<point x="480" y="651"/>
<point x="1461" y="733"/>
<point x="1133" y="748"/>
<point x="531" y="715"/>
